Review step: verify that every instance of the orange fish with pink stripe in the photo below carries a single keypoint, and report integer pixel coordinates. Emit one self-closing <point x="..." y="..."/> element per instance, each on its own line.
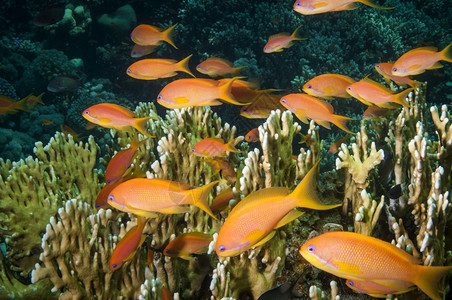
<point x="328" y="86"/>
<point x="359" y="257"/>
<point x="155" y="68"/>
<point x="278" y="42"/>
<point x="215" y="66"/>
<point x="385" y="70"/>
<point x="147" y="35"/>
<point x="312" y="7"/>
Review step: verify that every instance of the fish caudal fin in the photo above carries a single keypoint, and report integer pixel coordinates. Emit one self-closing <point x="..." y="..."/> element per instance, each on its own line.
<point x="183" y="66"/>
<point x="428" y="278"/>
<point x="226" y="94"/>
<point x="305" y="193"/>
<point x="446" y="54"/>
<point x="341" y="122"/>
<point x="368" y="3"/>
<point x="140" y="125"/>
<point x="230" y="146"/>
<point x="295" y="35"/>
<point x="168" y="35"/>
<point x="400" y="98"/>
<point x="200" y="195"/>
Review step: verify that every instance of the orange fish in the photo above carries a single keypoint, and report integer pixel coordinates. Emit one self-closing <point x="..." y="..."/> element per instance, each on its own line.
<point x="374" y="111"/>
<point x="221" y="164"/>
<point x="196" y="92"/>
<point x="385" y="70"/>
<point x="328" y="86"/>
<point x="46" y="122"/>
<point x="33" y="100"/>
<point x="186" y="244"/>
<point x="376" y="290"/>
<point x="359" y="257"/>
<point x="66" y="130"/>
<point x="155" y="68"/>
<point x="150" y="259"/>
<point x="127" y="247"/>
<point x="277" y="42"/>
<point x="252" y="221"/>
<point x="418" y="60"/>
<point x="370" y="92"/>
<point x="305" y="106"/>
<point x="120" y="163"/>
<point x="262" y="106"/>
<point x="139" y="51"/>
<point x="221" y="201"/>
<point x="145" y="197"/>
<point x="215" y="66"/>
<point x="147" y="35"/>
<point x="312" y="7"/>
<point x="252" y="136"/>
<point x="9" y="106"/>
<point x="335" y="145"/>
<point x="211" y="147"/>
<point x="111" y="115"/>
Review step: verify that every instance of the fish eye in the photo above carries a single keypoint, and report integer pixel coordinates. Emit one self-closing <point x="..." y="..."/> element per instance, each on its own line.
<point x="111" y="198"/>
<point x="166" y="251"/>
<point x="134" y="53"/>
<point x="283" y="100"/>
<point x="378" y="65"/>
<point x="244" y="109"/>
<point x="349" y="87"/>
<point x="350" y="282"/>
<point x="193" y="149"/>
<point x="114" y="266"/>
<point x="130" y="35"/>
<point x="86" y="112"/>
<point x="108" y="181"/>
<point x="221" y="248"/>
<point x="159" y="97"/>
<point x="309" y="86"/>
<point x="394" y="69"/>
<point x="311" y="248"/>
<point x="298" y="3"/>
<point x="128" y="70"/>
<point x="97" y="205"/>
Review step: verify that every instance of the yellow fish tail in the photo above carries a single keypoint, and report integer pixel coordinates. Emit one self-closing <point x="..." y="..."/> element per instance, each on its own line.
<point x="295" y="35"/>
<point x="168" y="36"/>
<point x="226" y="95"/>
<point x="183" y="66"/>
<point x="446" y="54"/>
<point x="306" y="195"/>
<point x="140" y="125"/>
<point x="400" y="98"/>
<point x="367" y="2"/>
<point x="230" y="146"/>
<point x="427" y="280"/>
<point x="200" y="195"/>
<point x="341" y="122"/>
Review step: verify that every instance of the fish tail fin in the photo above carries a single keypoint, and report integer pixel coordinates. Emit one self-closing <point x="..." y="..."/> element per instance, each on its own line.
<point x="295" y="34"/>
<point x="136" y="143"/>
<point x="140" y="125"/>
<point x="168" y="35"/>
<point x="400" y="98"/>
<point x="230" y="146"/>
<point x="39" y="98"/>
<point x="237" y="69"/>
<point x="446" y="54"/>
<point x="226" y="94"/>
<point x="305" y="193"/>
<point x="183" y="66"/>
<point x="200" y="195"/>
<point x="341" y="122"/>
<point x="369" y="3"/>
<point x="428" y="278"/>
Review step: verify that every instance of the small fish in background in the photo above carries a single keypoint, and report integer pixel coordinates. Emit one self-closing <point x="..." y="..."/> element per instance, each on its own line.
<point x="356" y="256"/>
<point x="252" y="136"/>
<point x="213" y="147"/>
<point x="278" y="42"/>
<point x="63" y="84"/>
<point x="111" y="115"/>
<point x="312" y="7"/>
<point x="139" y="51"/>
<point x="418" y="60"/>
<point x="262" y="106"/>
<point x="374" y="112"/>
<point x="50" y="15"/>
<point x="371" y="92"/>
<point x="283" y="291"/>
<point x="147" y="35"/>
<point x="33" y="100"/>
<point x="155" y="68"/>
<point x="305" y="107"/>
<point x="215" y="66"/>
<point x="221" y="201"/>
<point x="385" y="70"/>
<point x="46" y="122"/>
<point x="187" y="244"/>
<point x="218" y="164"/>
<point x="9" y="106"/>
<point x="336" y="144"/>
<point x="377" y="290"/>
<point x="328" y="86"/>
<point x="127" y="247"/>
<point x="66" y="130"/>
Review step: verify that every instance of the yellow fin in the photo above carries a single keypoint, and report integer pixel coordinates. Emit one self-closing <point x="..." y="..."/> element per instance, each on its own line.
<point x="292" y="215"/>
<point x="265" y="239"/>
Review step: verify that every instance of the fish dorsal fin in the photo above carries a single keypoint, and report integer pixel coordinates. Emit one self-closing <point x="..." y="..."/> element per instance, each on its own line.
<point x="426" y="48"/>
<point x="374" y="83"/>
<point x="292" y="215"/>
<point x="281" y="34"/>
<point x="265" y="239"/>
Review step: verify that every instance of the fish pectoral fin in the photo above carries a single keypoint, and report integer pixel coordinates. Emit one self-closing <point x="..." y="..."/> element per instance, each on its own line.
<point x="302" y="118"/>
<point x="140" y="212"/>
<point x="292" y="215"/>
<point x="265" y="239"/>
<point x="436" y="65"/>
<point x="175" y="210"/>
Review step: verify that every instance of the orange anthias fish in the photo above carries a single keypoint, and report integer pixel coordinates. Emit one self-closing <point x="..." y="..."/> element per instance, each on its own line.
<point x="66" y="130"/>
<point x="374" y="111"/>
<point x="120" y="163"/>
<point x="33" y="100"/>
<point x="328" y="86"/>
<point x="9" y="106"/>
<point x="221" y="164"/>
<point x="46" y="122"/>
<point x="215" y="66"/>
<point x="252" y="221"/>
<point x="212" y="147"/>
<point x="252" y="136"/>
<point x="277" y="42"/>
<point x="370" y="92"/>
<point x="196" y="92"/>
<point x="126" y="248"/>
<point x="111" y="115"/>
<point x="147" y="35"/>
<point x="262" y="106"/>
<point x="139" y="51"/>
<point x="305" y="106"/>
<point x="418" y="60"/>
<point x="376" y="290"/>
<point x="312" y="7"/>
<point x="155" y="68"/>
<point x="186" y="244"/>
<point x="221" y="201"/>
<point x="335" y="146"/>
<point x="359" y="257"/>
<point x="145" y="197"/>
<point x="385" y="70"/>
